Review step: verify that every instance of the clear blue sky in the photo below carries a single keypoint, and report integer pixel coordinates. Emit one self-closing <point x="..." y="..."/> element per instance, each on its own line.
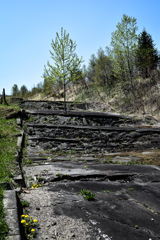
<point x="27" y="28"/>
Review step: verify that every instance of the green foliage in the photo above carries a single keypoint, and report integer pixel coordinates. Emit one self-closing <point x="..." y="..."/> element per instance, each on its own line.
<point x="29" y="225"/>
<point x="3" y="226"/>
<point x="23" y="91"/>
<point x="91" y="67"/>
<point x="15" y="90"/>
<point x="31" y="119"/>
<point x="108" y="160"/>
<point x="124" y="45"/>
<point x="147" y="55"/>
<point x="47" y="86"/>
<point x="24" y="203"/>
<point x="8" y="145"/>
<point x="73" y="151"/>
<point x="66" y="67"/>
<point x="106" y="191"/>
<point x="88" y="195"/>
<point x="27" y="162"/>
<point x="103" y="71"/>
<point x="39" y="87"/>
<point x="135" y="226"/>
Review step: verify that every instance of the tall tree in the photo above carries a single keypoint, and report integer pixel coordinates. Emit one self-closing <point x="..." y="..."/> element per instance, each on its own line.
<point x="34" y="90"/>
<point x="91" y="68"/>
<point x="23" y="90"/>
<point x="147" y="55"/>
<point x="15" y="90"/>
<point x="103" y="71"/>
<point x="39" y="87"/>
<point x="47" y="86"/>
<point x="124" y="44"/>
<point x="84" y="78"/>
<point x="66" y="62"/>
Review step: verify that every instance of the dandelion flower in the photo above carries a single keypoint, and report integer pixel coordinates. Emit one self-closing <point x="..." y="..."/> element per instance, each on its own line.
<point x="30" y="216"/>
<point x="26" y="224"/>
<point x="26" y="216"/>
<point x="23" y="221"/>
<point x="32" y="230"/>
<point x="22" y="215"/>
<point x="35" y="220"/>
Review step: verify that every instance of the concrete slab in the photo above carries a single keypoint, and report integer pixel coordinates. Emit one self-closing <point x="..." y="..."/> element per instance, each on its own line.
<point x="126" y="203"/>
<point x="57" y="171"/>
<point x="10" y="203"/>
<point x="120" y="214"/>
<point x="12" y="219"/>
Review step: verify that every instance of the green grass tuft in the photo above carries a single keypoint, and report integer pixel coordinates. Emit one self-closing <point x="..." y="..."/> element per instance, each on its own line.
<point x="3" y="226"/>
<point x="8" y="144"/>
<point x="88" y="195"/>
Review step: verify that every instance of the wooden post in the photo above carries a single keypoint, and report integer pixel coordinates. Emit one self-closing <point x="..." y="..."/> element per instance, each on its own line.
<point x="3" y="97"/>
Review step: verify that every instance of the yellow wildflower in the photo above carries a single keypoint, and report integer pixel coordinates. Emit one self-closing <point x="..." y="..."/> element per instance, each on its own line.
<point x="35" y="220"/>
<point x="22" y="215"/>
<point x="26" y="224"/>
<point x="26" y="216"/>
<point x="32" y="230"/>
<point x="23" y="221"/>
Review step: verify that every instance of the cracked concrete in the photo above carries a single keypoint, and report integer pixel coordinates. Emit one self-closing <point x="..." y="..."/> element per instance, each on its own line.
<point x="126" y="204"/>
<point x="118" y="214"/>
<point x="131" y="208"/>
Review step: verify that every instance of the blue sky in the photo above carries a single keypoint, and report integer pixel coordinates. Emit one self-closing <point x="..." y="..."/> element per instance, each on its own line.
<point x="27" y="28"/>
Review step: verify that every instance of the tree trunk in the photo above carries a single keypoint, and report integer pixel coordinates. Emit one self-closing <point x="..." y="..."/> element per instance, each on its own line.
<point x="65" y="110"/>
